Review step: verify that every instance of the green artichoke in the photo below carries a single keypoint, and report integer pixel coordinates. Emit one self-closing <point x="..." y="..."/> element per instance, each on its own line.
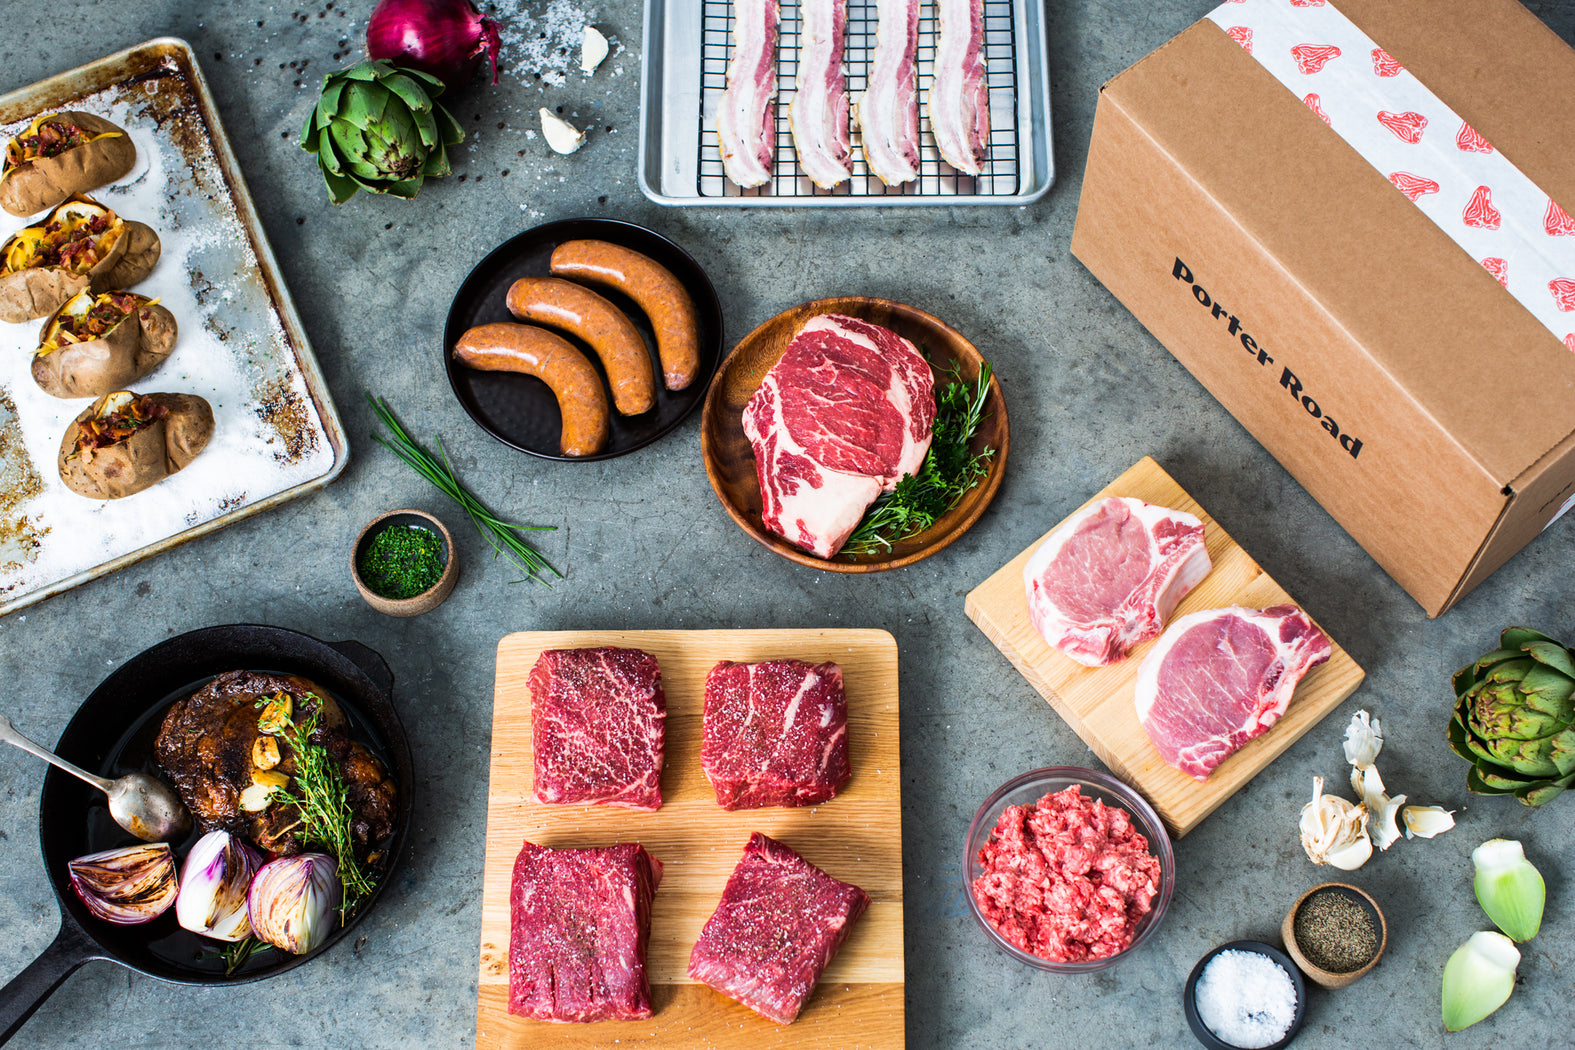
<point x="376" y="128"/>
<point x="1515" y="719"/>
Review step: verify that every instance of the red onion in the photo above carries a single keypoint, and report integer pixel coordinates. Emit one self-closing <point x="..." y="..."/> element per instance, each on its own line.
<point x="445" y="38"/>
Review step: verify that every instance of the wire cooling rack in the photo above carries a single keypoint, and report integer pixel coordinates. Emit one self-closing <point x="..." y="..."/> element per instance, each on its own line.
<point x="682" y="164"/>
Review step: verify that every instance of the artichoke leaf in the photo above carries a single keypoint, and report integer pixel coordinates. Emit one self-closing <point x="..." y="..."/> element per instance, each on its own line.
<point x="371" y="70"/>
<point x="328" y="154"/>
<point x="328" y="103"/>
<point x="408" y="91"/>
<point x="436" y="164"/>
<point x="1548" y="692"/>
<point x="426" y="126"/>
<point x="362" y="106"/>
<point x="448" y="127"/>
<point x="432" y="85"/>
<point x="340" y="188"/>
<point x="1518" y="637"/>
<point x="405" y="189"/>
<point x="1554" y="655"/>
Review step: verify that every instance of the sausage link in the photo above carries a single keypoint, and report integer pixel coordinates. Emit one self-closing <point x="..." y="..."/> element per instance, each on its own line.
<point x="581" y="312"/>
<point x="653" y="287"/>
<point x="537" y="352"/>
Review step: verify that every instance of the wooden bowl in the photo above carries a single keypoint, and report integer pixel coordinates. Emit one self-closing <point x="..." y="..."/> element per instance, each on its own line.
<point x="1328" y="978"/>
<point x="428" y="599"/>
<point x="730" y="461"/>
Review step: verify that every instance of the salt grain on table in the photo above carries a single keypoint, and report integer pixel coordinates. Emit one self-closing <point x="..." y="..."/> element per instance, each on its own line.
<point x="1246" y="999"/>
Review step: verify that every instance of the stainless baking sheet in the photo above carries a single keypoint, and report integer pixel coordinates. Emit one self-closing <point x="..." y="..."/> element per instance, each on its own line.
<point x="241" y="345"/>
<point x="687" y="44"/>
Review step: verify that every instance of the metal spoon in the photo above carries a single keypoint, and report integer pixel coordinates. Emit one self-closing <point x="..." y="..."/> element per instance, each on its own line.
<point x="143" y="805"/>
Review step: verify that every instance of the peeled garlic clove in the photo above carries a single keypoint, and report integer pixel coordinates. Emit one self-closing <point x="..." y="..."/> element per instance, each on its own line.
<point x="1352" y="855"/>
<point x="593" y="50"/>
<point x="1364" y="738"/>
<point x="1426" y="821"/>
<point x="562" y="136"/>
<point x="1384" y="826"/>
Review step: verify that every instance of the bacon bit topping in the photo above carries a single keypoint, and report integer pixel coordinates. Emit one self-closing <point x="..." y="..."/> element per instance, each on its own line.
<point x="48" y="136"/>
<point x="71" y="240"/>
<point x="115" y="428"/>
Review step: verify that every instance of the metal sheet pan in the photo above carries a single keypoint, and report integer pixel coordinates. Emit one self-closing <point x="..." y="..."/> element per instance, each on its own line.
<point x="241" y="344"/>
<point x="686" y="47"/>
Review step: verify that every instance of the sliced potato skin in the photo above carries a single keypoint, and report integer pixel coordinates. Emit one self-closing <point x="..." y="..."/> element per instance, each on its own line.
<point x="44" y="182"/>
<point x="120" y="357"/>
<point x="149" y="456"/>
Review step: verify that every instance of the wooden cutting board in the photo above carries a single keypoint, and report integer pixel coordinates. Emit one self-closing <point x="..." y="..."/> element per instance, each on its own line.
<point x="856" y="837"/>
<point x="1097" y="701"/>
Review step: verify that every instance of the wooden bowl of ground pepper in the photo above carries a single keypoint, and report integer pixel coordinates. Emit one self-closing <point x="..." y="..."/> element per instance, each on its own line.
<point x="403" y="563"/>
<point x="1336" y="933"/>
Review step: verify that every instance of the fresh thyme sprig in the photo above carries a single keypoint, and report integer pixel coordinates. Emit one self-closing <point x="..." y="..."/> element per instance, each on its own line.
<point x="323" y="801"/>
<point x="948" y="471"/>
<point x="501" y="535"/>
<point x="236" y="953"/>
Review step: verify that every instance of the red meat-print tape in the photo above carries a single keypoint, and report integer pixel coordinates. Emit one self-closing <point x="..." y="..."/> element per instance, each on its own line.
<point x="1480" y="212"/>
<point x="1468" y="139"/>
<point x="1407" y="126"/>
<point x="1498" y="268"/>
<point x="1569" y="341"/>
<point x="1557" y="221"/>
<point x="1563" y="290"/>
<point x="1307" y="3"/>
<point x="1314" y="103"/>
<point x="1413" y="186"/>
<point x="1242" y="35"/>
<point x="1384" y="64"/>
<point x="1310" y="58"/>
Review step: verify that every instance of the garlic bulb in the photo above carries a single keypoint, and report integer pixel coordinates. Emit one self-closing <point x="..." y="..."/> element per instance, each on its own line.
<point x="1334" y="831"/>
<point x="1364" y="738"/>
<point x="1426" y="821"/>
<point x="1382" y="810"/>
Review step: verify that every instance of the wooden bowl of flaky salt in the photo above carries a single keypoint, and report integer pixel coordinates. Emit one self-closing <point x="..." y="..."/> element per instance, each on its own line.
<point x="1336" y="933"/>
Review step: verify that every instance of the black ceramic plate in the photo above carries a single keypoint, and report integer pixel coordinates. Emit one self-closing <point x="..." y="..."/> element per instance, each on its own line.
<point x="520" y="411"/>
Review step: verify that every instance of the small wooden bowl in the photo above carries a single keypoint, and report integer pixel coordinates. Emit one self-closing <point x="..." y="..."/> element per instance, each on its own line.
<point x="428" y="599"/>
<point x="1320" y="976"/>
<point x="730" y="461"/>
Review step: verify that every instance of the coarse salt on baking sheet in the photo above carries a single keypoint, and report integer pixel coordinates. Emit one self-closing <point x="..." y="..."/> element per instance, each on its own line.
<point x="232" y="350"/>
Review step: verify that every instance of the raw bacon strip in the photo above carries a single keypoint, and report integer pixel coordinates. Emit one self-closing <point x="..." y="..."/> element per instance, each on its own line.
<point x="959" y="101"/>
<point x="818" y="113"/>
<point x="888" y="110"/>
<point x="743" y="121"/>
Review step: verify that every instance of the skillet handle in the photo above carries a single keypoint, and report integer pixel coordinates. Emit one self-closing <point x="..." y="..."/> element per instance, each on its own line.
<point x="28" y="989"/>
<point x="368" y="660"/>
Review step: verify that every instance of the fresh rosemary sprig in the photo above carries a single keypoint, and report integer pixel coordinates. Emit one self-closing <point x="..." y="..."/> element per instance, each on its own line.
<point x="501" y="535"/>
<point x="948" y="471"/>
<point x="323" y="802"/>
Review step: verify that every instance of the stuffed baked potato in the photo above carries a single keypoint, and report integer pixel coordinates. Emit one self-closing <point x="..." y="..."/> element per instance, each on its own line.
<point x="81" y="245"/>
<point x="98" y="343"/>
<point x="124" y="442"/>
<point x="60" y="154"/>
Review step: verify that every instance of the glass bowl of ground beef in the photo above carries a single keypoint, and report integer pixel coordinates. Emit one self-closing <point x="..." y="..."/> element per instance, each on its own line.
<point x="1068" y="869"/>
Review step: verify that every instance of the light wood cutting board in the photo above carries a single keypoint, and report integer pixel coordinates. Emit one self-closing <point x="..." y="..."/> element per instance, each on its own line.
<point x="1097" y="701"/>
<point x="856" y="837"/>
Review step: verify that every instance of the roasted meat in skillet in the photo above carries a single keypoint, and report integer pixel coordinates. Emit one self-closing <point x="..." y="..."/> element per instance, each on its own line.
<point x="225" y="766"/>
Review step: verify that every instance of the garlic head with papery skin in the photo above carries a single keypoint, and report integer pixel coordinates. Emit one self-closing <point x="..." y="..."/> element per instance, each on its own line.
<point x="1364" y="738"/>
<point x="1334" y="831"/>
<point x="292" y="900"/>
<point x="213" y="885"/>
<point x="1425" y="822"/>
<point x="562" y="136"/>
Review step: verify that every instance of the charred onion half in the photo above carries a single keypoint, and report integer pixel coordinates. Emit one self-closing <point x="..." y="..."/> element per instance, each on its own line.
<point x="126" y="886"/>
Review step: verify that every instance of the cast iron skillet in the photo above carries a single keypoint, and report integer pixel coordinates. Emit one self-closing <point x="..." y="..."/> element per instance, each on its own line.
<point x="112" y="733"/>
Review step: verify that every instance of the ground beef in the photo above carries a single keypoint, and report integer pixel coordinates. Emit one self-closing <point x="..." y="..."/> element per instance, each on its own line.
<point x="1067" y="879"/>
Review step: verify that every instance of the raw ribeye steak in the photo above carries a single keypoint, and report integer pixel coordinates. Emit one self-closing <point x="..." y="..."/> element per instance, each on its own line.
<point x="1218" y="678"/>
<point x="580" y="920"/>
<point x="598" y="722"/>
<point x="1109" y="576"/>
<point x="779" y="923"/>
<point x="776" y="733"/>
<point x="838" y="420"/>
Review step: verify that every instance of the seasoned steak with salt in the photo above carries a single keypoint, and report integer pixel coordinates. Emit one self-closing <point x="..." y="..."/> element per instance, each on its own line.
<point x="598" y="727"/>
<point x="776" y="733"/>
<point x="212" y="749"/>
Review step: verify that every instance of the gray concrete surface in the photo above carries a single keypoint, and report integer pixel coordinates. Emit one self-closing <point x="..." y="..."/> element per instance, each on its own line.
<point x="645" y="544"/>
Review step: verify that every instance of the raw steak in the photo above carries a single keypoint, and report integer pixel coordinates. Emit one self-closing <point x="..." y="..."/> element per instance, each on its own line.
<point x="780" y="922"/>
<point x="837" y="421"/>
<point x="1109" y="576"/>
<point x="1218" y="678"/>
<point x="579" y="921"/>
<point x="776" y="733"/>
<point x="598" y="721"/>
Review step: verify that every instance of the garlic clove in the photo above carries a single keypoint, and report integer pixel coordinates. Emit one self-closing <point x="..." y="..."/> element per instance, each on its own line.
<point x="1352" y="855"/>
<point x="1384" y="827"/>
<point x="1426" y="821"/>
<point x="1364" y="738"/>
<point x="562" y="136"/>
<point x="593" y="50"/>
<point x="1334" y="831"/>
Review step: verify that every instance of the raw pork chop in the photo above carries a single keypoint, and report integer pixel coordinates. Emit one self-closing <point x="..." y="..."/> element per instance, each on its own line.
<point x="1109" y="576"/>
<point x="598" y="720"/>
<point x="1220" y="677"/>
<point x="580" y="920"/>
<point x="776" y="733"/>
<point x="837" y="421"/>
<point x="780" y="922"/>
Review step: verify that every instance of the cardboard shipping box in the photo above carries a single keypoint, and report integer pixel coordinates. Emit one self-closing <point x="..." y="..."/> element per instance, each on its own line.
<point x="1427" y="410"/>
